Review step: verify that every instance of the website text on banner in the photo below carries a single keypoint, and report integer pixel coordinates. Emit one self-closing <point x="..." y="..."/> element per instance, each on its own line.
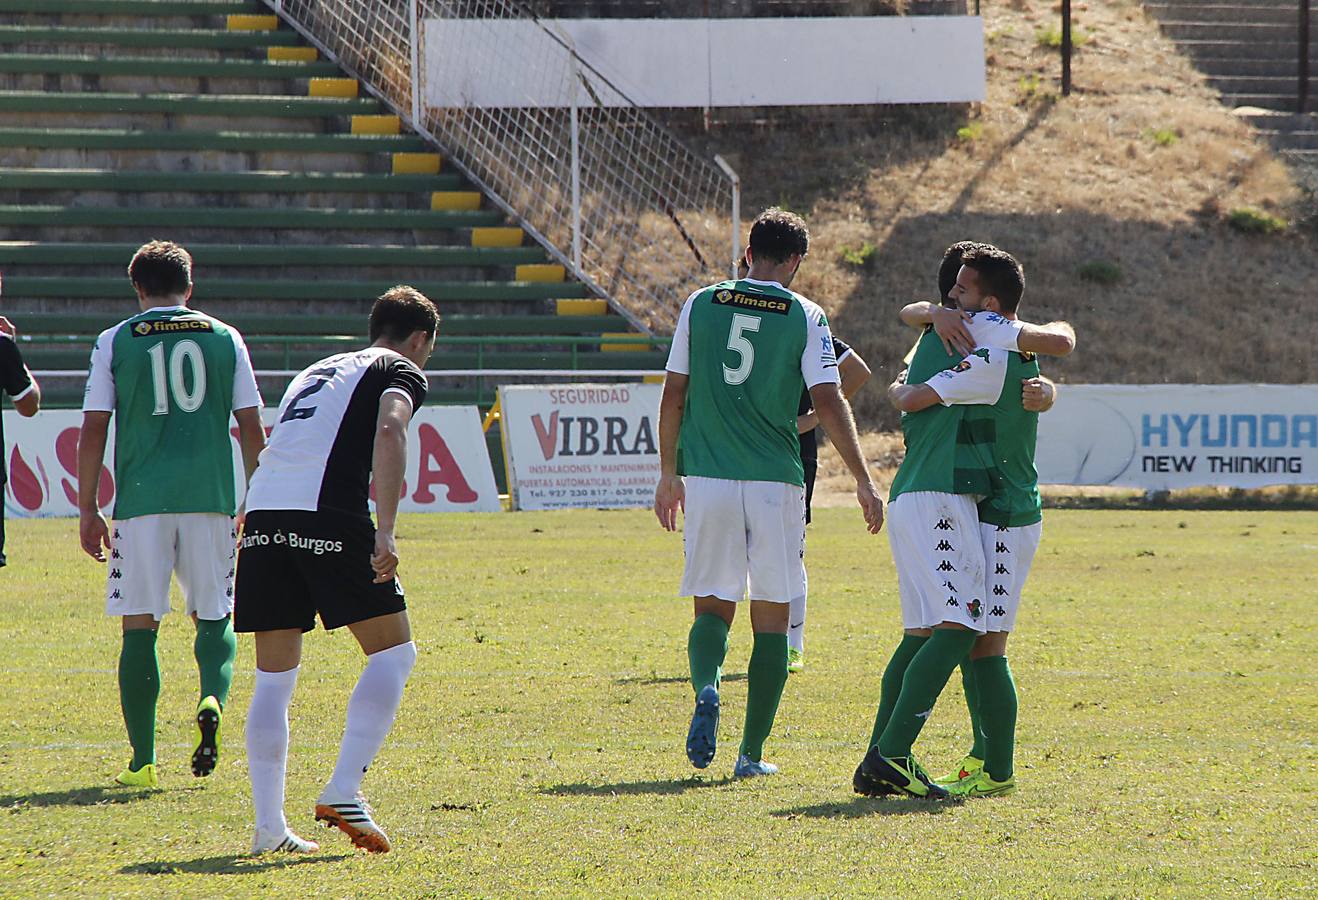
<point x="581" y="445"/>
<point x="1164" y="436"/>
<point x="448" y="465"/>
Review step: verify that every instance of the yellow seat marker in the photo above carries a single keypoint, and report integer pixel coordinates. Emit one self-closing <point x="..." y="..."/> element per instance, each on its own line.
<point x="638" y="346"/>
<point x="540" y="272"/>
<point x="376" y="125"/>
<point x="416" y="163"/>
<point x="292" y="54"/>
<point x="452" y="201"/>
<point x="591" y="307"/>
<point x="496" y="237"/>
<point x="653" y="379"/>
<point x="332" y="87"/>
<point x="252" y="23"/>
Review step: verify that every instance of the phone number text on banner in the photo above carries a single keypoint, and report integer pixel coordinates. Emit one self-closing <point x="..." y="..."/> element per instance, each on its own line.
<point x="581" y="445"/>
<point x="1165" y="436"/>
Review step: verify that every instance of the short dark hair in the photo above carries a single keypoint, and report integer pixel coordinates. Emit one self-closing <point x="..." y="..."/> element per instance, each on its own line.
<point x="951" y="264"/>
<point x="400" y="311"/>
<point x="161" y="269"/>
<point x="777" y="235"/>
<point x="1000" y="275"/>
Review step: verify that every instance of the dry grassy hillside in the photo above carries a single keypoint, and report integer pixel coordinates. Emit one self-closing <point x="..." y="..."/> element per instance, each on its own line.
<point x="1129" y="181"/>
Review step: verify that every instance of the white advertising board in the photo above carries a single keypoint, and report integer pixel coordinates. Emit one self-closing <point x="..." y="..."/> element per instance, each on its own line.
<point x="448" y="465"/>
<point x="581" y="445"/>
<point x="707" y="62"/>
<point x="1165" y="436"/>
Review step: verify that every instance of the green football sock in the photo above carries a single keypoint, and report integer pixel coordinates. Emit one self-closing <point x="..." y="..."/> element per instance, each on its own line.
<point x="891" y="685"/>
<point x="997" y="706"/>
<point x="139" y="686"/>
<point x="925" y="679"/>
<point x="706" y="646"/>
<point x="765" y="676"/>
<point x="215" y="647"/>
<point x="971" y="688"/>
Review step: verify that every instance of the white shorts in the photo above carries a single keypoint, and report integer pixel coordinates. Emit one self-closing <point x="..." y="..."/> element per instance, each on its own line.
<point x="741" y="534"/>
<point x="144" y="550"/>
<point x="939" y="555"/>
<point x="1008" y="555"/>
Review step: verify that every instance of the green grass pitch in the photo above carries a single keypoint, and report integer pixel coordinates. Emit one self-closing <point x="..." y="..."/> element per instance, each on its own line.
<point x="1169" y="708"/>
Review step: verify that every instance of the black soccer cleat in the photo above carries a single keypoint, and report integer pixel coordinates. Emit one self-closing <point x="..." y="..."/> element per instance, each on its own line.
<point x="206" y="753"/>
<point x="902" y="776"/>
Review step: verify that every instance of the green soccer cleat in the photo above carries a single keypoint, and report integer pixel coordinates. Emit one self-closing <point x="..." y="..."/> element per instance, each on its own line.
<point x="795" y="660"/>
<point x="206" y="743"/>
<point x="982" y="785"/>
<point x="969" y="768"/>
<point x="144" y="777"/>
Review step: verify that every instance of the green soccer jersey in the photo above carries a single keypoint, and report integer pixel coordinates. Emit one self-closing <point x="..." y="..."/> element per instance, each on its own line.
<point x="171" y="376"/>
<point x="749" y="348"/>
<point x="1014" y="497"/>
<point x="946" y="452"/>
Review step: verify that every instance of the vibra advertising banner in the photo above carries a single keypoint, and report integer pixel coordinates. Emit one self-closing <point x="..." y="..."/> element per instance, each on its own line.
<point x="448" y="465"/>
<point x="581" y="445"/>
<point x="1164" y="436"/>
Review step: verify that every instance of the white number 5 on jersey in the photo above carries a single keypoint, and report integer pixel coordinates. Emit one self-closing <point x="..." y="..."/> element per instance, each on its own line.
<point x="742" y="346"/>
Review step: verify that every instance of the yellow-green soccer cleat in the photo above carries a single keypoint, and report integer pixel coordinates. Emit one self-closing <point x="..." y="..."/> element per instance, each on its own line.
<point x="206" y="742"/>
<point x="981" y="785"/>
<point x="144" y="777"/>
<point x="795" y="660"/>
<point x="969" y="768"/>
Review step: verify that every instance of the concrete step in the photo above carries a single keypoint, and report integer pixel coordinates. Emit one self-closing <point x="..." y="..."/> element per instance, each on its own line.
<point x="1228" y="49"/>
<point x="1280" y="13"/>
<point x="1255" y="84"/>
<point x="1278" y="121"/>
<point x="1254" y="32"/>
<point x="1284" y="68"/>
<point x="1293" y="140"/>
<point x="1280" y="102"/>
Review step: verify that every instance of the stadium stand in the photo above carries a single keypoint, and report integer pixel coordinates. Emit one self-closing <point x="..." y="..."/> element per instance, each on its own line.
<point x="300" y="197"/>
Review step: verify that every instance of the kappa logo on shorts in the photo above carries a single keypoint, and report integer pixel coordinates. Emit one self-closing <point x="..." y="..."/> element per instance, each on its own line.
<point x="946" y="566"/>
<point x="115" y="595"/>
<point x="1002" y="528"/>
<point x="943" y="525"/>
<point x="1001" y="570"/>
<point x="997" y="611"/>
<point x="114" y="553"/>
<point x="975" y="608"/>
<point x="950" y="586"/>
<point x="1002" y="548"/>
<point x="945" y="547"/>
<point x="952" y="601"/>
<point x="115" y="574"/>
<point x="999" y="591"/>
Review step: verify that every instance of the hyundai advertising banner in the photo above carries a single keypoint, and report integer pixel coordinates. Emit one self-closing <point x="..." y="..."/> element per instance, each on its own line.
<point x="448" y="465"/>
<point x="1166" y="436"/>
<point x="581" y="445"/>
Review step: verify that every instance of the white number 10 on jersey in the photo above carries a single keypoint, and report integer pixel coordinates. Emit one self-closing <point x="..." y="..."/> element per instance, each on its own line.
<point x="744" y="349"/>
<point x="188" y="402"/>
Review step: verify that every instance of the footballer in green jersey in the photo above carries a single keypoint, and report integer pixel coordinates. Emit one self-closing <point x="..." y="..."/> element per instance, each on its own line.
<point x="171" y="378"/>
<point x="742" y="353"/>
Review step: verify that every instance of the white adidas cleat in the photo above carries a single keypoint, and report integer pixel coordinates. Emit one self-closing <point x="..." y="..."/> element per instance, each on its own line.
<point x="353" y="818"/>
<point x="288" y="842"/>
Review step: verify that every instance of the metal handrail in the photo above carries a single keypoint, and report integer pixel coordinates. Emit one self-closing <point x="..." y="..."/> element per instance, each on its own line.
<point x="1302" y="92"/>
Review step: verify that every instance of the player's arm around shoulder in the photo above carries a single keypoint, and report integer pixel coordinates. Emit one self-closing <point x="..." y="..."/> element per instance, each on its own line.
<point x="1052" y="339"/>
<point x="388" y="463"/>
<point x="1038" y="394"/>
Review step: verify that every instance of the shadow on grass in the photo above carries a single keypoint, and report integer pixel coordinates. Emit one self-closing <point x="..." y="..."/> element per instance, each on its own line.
<point x="87" y="796"/>
<point x="863" y="807"/>
<point x="675" y="679"/>
<point x="231" y="864"/>
<point x="658" y="786"/>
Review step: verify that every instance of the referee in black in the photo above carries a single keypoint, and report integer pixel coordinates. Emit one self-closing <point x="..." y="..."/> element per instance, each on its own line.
<point x="18" y="383"/>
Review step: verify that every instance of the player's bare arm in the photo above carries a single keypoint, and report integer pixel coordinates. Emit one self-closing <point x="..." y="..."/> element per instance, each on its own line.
<point x="670" y="494"/>
<point x="93" y="531"/>
<point x="949" y="324"/>
<point x="251" y="437"/>
<point x="388" y="462"/>
<point x="1038" y="394"/>
<point x="835" y="415"/>
<point x="855" y="372"/>
<point x="1053" y="339"/>
<point x="911" y="398"/>
<point x="27" y="405"/>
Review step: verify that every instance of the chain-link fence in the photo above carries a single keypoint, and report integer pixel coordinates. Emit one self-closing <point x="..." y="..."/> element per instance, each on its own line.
<point x="639" y="216"/>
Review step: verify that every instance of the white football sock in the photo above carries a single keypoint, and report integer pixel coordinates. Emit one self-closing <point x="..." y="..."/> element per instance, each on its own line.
<point x="371" y="711"/>
<point x="267" y="746"/>
<point x="796" y="624"/>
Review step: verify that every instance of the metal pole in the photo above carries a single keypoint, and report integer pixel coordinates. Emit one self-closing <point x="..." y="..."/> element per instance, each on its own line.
<point x="576" y="167"/>
<point x="416" y="57"/>
<point x="1066" y="48"/>
<point x="736" y="209"/>
<point x="1302" y="94"/>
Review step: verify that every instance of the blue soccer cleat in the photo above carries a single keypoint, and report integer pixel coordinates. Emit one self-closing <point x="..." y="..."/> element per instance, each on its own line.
<point x="752" y="768"/>
<point x="702" y="737"/>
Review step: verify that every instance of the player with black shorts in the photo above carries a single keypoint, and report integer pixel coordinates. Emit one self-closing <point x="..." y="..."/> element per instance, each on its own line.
<point x="309" y="548"/>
